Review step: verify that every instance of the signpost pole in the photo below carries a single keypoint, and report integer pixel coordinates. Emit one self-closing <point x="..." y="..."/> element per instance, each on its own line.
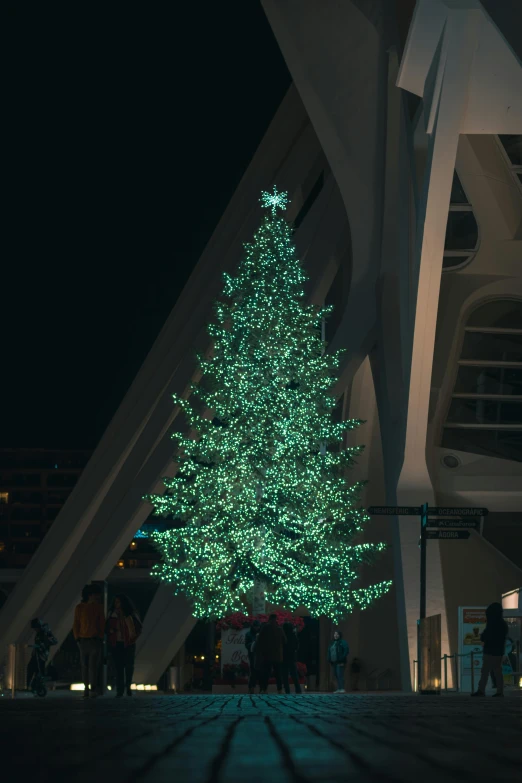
<point x="443" y="526"/>
<point x="424" y="523"/>
<point x="422" y="611"/>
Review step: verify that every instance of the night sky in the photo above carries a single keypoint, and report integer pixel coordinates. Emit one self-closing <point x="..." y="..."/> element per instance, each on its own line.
<point x="127" y="133"/>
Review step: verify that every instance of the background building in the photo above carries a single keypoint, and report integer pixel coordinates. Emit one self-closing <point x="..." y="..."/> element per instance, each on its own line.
<point x="34" y="485"/>
<point x="399" y="144"/>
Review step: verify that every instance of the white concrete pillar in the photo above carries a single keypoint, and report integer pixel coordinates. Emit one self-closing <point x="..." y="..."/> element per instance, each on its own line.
<point x="448" y="87"/>
<point x="167" y="624"/>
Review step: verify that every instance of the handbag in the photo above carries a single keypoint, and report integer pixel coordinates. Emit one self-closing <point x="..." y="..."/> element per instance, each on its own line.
<point x="133" y="628"/>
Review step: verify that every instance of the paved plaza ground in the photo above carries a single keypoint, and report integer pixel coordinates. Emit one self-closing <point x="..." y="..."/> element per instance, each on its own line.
<point x="278" y="739"/>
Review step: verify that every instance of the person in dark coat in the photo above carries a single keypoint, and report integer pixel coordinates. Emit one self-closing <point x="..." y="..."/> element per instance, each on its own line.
<point x="494" y="639"/>
<point x="123" y="628"/>
<point x="269" y="647"/>
<point x="290" y="658"/>
<point x="43" y="641"/>
<point x="250" y="644"/>
<point x="337" y="655"/>
<point x="355" y="670"/>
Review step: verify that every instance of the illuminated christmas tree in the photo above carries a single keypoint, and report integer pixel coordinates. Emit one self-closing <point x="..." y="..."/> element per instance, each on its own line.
<point x="261" y="495"/>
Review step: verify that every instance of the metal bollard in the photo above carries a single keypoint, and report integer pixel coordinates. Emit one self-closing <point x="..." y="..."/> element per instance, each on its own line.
<point x="456" y="672"/>
<point x="452" y="659"/>
<point x="11" y="668"/>
<point x="472" y="672"/>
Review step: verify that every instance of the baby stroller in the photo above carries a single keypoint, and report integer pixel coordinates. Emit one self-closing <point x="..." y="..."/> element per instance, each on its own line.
<point x="36" y="670"/>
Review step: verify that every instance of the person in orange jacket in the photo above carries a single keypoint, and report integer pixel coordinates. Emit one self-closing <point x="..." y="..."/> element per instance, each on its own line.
<point x="88" y="630"/>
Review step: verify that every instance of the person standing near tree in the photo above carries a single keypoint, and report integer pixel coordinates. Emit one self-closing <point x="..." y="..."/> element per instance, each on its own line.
<point x="43" y="641"/>
<point x="494" y="639"/>
<point x="355" y="670"/>
<point x="123" y="628"/>
<point x="250" y="640"/>
<point x="88" y="631"/>
<point x="270" y="645"/>
<point x="337" y="655"/>
<point x="290" y="658"/>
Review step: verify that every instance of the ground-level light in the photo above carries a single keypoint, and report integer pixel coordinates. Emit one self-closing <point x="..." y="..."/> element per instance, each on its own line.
<point x="79" y="686"/>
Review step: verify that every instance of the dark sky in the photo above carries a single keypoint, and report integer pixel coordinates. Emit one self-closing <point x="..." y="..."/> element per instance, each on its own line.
<point x="127" y="133"/>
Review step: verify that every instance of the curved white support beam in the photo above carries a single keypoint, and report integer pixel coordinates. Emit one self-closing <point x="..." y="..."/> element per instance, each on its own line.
<point x="444" y="61"/>
<point x="493" y="101"/>
<point x="167" y="624"/>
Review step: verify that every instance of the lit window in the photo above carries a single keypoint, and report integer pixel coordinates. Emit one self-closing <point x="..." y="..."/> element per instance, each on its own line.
<point x="141" y="534"/>
<point x="4" y="497"/>
<point x="485" y="413"/>
<point x="461" y="230"/>
<point x="512" y="147"/>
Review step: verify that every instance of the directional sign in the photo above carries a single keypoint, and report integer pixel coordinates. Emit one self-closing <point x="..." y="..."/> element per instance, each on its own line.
<point x="399" y="511"/>
<point x="448" y="535"/>
<point x="457" y="511"/>
<point x="469" y="524"/>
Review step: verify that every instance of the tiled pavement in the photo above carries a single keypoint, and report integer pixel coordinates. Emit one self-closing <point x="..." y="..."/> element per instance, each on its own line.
<point x="280" y="739"/>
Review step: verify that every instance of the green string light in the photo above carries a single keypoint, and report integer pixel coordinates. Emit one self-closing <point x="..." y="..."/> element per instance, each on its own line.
<point x="261" y="492"/>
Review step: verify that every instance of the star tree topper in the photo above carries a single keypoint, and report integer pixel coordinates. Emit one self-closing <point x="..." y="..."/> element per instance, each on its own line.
<point x="275" y="200"/>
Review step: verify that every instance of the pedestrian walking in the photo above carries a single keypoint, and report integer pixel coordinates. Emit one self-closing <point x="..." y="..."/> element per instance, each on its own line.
<point x="123" y="628"/>
<point x="337" y="655"/>
<point x="355" y="670"/>
<point x="269" y="648"/>
<point x="44" y="639"/>
<point x="290" y="658"/>
<point x="494" y="639"/>
<point x="88" y="630"/>
<point x="250" y="644"/>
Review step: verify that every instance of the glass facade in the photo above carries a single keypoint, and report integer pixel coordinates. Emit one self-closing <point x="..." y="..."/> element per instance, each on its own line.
<point x="485" y="413"/>
<point x="34" y="485"/>
<point x="512" y="146"/>
<point x="461" y="230"/>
